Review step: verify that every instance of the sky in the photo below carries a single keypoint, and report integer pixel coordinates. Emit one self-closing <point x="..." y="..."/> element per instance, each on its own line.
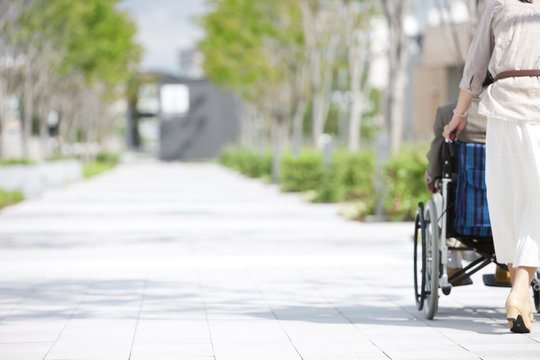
<point x="167" y="26"/>
<point x="164" y="28"/>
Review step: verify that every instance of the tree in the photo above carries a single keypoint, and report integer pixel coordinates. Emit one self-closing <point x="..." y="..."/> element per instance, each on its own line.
<point x="68" y="49"/>
<point x="320" y="22"/>
<point x="394" y="11"/>
<point x="356" y="24"/>
<point x="256" y="49"/>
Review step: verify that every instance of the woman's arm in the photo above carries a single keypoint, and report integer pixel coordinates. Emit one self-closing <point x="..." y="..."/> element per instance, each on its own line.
<point x="459" y="120"/>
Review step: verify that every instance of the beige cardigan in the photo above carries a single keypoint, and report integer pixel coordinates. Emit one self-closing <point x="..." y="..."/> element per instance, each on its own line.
<point x="507" y="38"/>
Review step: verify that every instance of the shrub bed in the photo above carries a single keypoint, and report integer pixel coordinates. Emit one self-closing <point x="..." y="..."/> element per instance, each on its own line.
<point x="104" y="161"/>
<point x="349" y="178"/>
<point x="247" y="162"/>
<point x="404" y="180"/>
<point x="303" y="172"/>
<point x="10" y="198"/>
<point x="17" y="161"/>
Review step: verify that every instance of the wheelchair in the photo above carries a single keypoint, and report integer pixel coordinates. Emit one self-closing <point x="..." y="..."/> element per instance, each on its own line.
<point x="462" y="215"/>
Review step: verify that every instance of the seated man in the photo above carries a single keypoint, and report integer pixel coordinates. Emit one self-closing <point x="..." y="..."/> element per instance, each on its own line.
<point x="475" y="131"/>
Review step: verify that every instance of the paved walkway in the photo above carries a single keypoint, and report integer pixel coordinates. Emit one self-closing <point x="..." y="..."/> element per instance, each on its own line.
<point x="192" y="261"/>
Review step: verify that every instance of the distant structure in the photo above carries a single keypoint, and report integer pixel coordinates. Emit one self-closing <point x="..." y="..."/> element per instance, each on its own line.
<point x="191" y="63"/>
<point x="180" y="118"/>
<point x="437" y="76"/>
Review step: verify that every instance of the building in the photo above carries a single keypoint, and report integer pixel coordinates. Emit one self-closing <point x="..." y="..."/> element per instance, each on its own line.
<point x="436" y="77"/>
<point x="191" y="63"/>
<point x="181" y="118"/>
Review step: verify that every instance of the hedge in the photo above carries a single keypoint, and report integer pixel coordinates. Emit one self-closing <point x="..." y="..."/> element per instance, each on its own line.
<point x="303" y="172"/>
<point x="349" y="178"/>
<point x="10" y="197"/>
<point x="104" y="161"/>
<point x="247" y="162"/>
<point x="404" y="180"/>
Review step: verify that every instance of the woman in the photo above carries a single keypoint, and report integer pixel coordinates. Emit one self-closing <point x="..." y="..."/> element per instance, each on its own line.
<point x="507" y="40"/>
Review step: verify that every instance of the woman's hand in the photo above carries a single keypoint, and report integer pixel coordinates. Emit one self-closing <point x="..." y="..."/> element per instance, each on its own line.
<point x="457" y="124"/>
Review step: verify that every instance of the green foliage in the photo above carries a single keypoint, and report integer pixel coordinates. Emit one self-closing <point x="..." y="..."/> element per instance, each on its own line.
<point x="348" y="179"/>
<point x="251" y="46"/>
<point x="104" y="161"/>
<point x="368" y="128"/>
<point x="355" y="172"/>
<point x="247" y="162"/>
<point x="404" y="178"/>
<point x="17" y="161"/>
<point x="304" y="172"/>
<point x="108" y="157"/>
<point x="329" y="189"/>
<point x="61" y="158"/>
<point x="10" y="197"/>
<point x="96" y="168"/>
<point x="93" y="36"/>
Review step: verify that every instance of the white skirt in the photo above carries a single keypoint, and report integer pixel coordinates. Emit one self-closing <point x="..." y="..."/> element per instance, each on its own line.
<point x="513" y="190"/>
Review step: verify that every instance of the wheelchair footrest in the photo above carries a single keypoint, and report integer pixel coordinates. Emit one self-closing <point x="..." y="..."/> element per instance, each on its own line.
<point x="489" y="280"/>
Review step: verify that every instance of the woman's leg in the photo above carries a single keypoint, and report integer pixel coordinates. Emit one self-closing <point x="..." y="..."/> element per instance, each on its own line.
<point x="522" y="277"/>
<point x="512" y="272"/>
<point x="518" y="304"/>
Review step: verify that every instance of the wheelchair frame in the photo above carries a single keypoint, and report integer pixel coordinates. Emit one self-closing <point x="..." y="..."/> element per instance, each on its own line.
<point x="432" y="231"/>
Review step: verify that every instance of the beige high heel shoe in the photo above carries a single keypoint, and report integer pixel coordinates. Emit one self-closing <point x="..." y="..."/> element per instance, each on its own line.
<point x="519" y="315"/>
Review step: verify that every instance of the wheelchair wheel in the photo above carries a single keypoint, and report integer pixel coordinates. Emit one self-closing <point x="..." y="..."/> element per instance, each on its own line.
<point x="432" y="259"/>
<point x="419" y="262"/>
<point x="536" y="291"/>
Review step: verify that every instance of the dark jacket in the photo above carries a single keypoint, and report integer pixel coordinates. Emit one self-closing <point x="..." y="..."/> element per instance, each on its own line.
<point x="475" y="131"/>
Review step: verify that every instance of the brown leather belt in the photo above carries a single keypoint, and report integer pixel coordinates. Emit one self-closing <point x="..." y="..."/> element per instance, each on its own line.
<point x="516" y="73"/>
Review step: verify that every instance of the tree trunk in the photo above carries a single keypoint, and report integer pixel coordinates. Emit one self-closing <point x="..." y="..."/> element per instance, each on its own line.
<point x="297" y="126"/>
<point x="60" y="133"/>
<point x="395" y="117"/>
<point x="27" y="112"/>
<point x="3" y="114"/>
<point x="321" y="94"/>
<point x="276" y="148"/>
<point x="318" y="98"/>
<point x="43" y="131"/>
<point x="397" y="109"/>
<point x="355" y="117"/>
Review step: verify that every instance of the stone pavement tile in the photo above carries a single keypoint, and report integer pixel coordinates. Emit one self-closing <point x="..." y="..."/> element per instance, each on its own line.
<point x="89" y="338"/>
<point x="514" y="354"/>
<point x="330" y="341"/>
<point x="246" y="331"/>
<point x="182" y="313"/>
<point x="399" y="341"/>
<point x="170" y="349"/>
<point x="173" y="330"/>
<point x="510" y="347"/>
<point x="305" y="312"/>
<point x="438" y="354"/>
<point x="341" y="354"/>
<point x="11" y="298"/>
<point x="259" y="350"/>
<point x="24" y="351"/>
<point x="13" y="331"/>
<point x="44" y="300"/>
<point x="169" y="357"/>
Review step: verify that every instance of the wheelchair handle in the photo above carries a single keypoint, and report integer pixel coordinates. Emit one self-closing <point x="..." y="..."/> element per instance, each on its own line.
<point x="453" y="137"/>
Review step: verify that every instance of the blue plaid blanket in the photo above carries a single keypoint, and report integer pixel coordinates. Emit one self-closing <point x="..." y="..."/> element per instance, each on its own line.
<point x="471" y="209"/>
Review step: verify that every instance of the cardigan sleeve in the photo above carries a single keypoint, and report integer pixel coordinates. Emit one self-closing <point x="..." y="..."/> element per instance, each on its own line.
<point x="479" y="54"/>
